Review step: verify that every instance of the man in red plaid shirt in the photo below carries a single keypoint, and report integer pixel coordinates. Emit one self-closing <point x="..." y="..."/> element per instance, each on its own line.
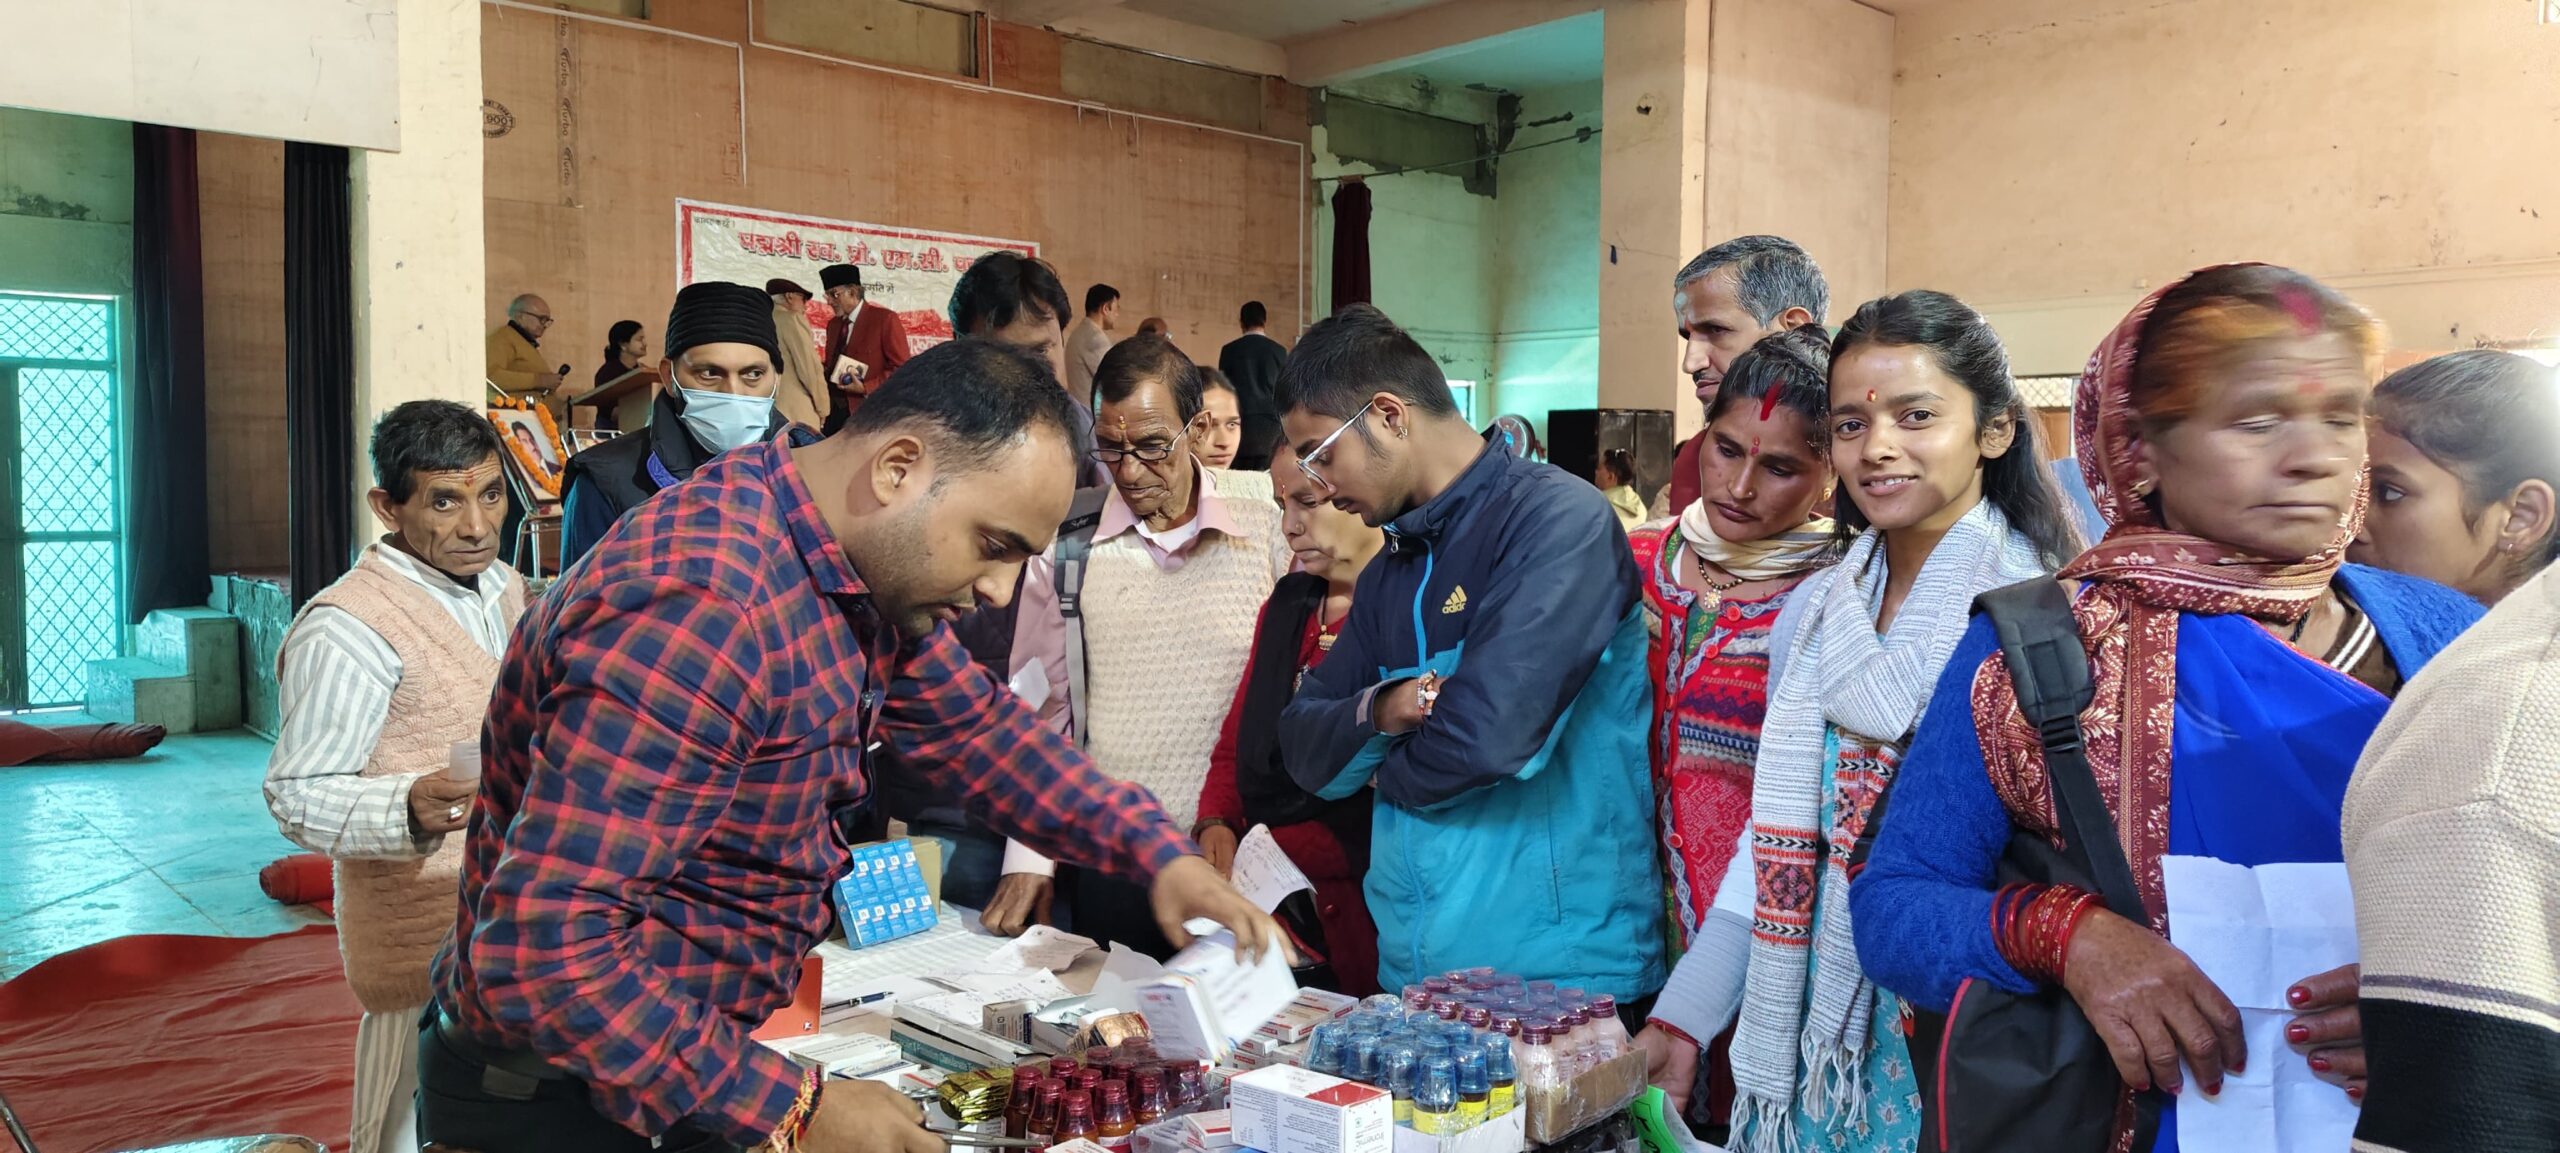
<point x="675" y="724"/>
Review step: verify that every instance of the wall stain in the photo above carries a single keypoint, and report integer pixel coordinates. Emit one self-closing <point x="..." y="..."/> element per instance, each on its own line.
<point x="20" y="202"/>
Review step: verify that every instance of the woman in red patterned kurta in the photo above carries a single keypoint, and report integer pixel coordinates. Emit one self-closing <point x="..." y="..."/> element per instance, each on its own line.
<point x="1716" y="579"/>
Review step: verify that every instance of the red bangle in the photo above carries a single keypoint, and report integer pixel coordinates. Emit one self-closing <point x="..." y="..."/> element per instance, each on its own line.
<point x="2086" y="904"/>
<point x="1674" y="1030"/>
<point x="2032" y="926"/>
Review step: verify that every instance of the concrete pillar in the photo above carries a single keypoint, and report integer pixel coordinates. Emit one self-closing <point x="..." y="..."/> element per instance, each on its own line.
<point x="420" y="263"/>
<point x="1653" y="171"/>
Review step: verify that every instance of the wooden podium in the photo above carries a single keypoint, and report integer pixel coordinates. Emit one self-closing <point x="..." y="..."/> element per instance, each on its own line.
<point x="626" y="398"/>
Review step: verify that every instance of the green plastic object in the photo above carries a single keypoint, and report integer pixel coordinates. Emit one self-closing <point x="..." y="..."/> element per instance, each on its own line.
<point x="1652" y="1127"/>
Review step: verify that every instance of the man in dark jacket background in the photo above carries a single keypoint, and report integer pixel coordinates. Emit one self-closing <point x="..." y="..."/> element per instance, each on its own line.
<point x="1252" y="363"/>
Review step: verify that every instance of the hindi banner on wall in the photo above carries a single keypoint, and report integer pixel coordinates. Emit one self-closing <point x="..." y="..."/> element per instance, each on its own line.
<point x="910" y="270"/>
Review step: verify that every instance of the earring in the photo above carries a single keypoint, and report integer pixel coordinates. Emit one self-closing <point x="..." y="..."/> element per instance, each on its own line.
<point x="2141" y="489"/>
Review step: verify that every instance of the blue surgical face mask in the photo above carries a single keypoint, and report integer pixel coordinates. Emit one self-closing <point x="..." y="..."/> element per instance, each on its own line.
<point x="722" y="421"/>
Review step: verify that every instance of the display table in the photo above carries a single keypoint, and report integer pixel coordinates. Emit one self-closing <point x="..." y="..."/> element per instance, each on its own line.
<point x="914" y="989"/>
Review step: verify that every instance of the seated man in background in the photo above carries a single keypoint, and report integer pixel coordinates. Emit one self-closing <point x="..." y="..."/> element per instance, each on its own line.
<point x="383" y="674"/>
<point x="1139" y="621"/>
<point x="720" y="378"/>
<point x="1489" y="684"/>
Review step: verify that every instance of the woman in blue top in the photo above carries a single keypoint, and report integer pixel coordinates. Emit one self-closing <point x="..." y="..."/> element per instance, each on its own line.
<point x="2238" y="666"/>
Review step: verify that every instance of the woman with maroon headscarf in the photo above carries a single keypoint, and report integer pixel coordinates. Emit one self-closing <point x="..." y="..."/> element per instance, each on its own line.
<point x="2239" y="667"/>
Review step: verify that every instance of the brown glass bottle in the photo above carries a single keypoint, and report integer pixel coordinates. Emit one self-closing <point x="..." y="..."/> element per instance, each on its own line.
<point x="1112" y="1119"/>
<point x="1151" y="1102"/>
<point x="1018" y="1101"/>
<point x="1043" y="1124"/>
<point x="1075" y="1118"/>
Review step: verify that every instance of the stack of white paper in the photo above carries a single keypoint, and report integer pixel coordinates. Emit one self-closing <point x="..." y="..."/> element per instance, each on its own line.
<point x="2255" y="933"/>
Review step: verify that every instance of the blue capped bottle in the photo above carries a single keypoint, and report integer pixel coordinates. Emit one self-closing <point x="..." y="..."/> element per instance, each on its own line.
<point x="1435" y="1097"/>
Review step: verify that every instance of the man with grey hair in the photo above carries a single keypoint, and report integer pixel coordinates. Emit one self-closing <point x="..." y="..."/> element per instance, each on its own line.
<point x="1725" y="300"/>
<point x="515" y="366"/>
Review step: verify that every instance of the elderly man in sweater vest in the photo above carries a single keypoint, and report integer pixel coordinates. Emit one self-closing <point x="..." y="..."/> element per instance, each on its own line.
<point x="384" y="673"/>
<point x="1137" y="647"/>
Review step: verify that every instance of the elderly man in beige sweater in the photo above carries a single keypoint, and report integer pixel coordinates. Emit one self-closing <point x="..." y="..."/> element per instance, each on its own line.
<point x="1135" y="627"/>
<point x="2453" y="844"/>
<point x="385" y="673"/>
<point x="801" y="396"/>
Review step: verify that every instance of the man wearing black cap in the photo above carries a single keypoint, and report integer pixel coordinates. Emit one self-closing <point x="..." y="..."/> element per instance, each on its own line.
<point x="864" y="344"/>
<point x="720" y="375"/>
<point x="802" y="396"/>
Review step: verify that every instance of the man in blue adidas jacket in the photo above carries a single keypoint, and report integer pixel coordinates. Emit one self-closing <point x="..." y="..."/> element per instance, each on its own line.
<point x="1489" y="684"/>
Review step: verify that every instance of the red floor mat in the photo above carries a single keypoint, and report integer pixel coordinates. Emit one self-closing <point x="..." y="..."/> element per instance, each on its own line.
<point x="151" y="1040"/>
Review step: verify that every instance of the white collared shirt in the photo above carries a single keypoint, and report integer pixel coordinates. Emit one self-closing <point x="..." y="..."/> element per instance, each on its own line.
<point x="337" y="684"/>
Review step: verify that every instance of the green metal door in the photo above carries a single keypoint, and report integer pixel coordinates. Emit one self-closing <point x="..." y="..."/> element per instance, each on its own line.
<point x="61" y="528"/>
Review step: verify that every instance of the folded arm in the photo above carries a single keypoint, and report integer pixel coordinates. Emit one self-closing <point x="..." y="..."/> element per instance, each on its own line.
<point x="1562" y="584"/>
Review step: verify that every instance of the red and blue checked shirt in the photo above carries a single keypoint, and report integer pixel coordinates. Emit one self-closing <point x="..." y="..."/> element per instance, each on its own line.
<point x="652" y="849"/>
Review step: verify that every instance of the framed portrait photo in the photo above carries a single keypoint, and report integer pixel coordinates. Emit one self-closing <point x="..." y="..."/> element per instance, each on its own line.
<point x="533" y="441"/>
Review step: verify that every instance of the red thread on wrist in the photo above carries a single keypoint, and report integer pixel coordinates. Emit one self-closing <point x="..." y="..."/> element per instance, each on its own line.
<point x="1675" y="1031"/>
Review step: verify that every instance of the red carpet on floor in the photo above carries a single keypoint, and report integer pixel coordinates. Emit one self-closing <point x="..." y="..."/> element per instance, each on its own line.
<point x="152" y="1040"/>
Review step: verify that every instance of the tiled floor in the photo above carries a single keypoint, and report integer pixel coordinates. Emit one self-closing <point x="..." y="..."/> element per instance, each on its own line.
<point x="170" y="842"/>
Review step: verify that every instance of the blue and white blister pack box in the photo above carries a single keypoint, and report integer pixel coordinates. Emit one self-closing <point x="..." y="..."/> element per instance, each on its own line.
<point x="884" y="896"/>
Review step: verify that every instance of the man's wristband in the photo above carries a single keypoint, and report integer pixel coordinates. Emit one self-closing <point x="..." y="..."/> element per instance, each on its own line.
<point x="795" y="1124"/>
<point x="1205" y="824"/>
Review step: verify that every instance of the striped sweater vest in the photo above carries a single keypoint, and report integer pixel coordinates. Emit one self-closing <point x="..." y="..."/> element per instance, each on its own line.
<point x="393" y="914"/>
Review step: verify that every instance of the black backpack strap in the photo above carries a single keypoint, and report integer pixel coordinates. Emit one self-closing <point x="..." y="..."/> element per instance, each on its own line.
<point x="2050" y="670"/>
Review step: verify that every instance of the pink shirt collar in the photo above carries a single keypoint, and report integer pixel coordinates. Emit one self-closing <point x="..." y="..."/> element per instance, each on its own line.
<point x="1172" y="546"/>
